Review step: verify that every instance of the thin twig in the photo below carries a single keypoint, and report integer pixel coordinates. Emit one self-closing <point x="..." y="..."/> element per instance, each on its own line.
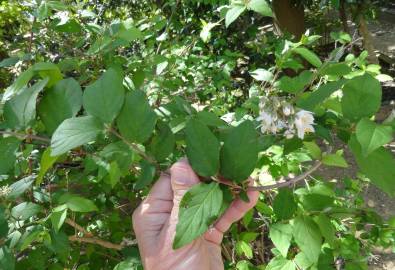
<point x="78" y="227"/>
<point x="134" y="147"/>
<point x="291" y="181"/>
<point x="95" y="241"/>
<point x="25" y="136"/>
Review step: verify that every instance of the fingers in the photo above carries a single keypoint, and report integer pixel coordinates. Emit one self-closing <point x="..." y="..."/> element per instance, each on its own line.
<point x="182" y="179"/>
<point x="236" y="211"/>
<point x="159" y="202"/>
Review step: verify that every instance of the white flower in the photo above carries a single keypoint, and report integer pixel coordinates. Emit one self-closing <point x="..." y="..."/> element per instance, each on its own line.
<point x="276" y="103"/>
<point x="287" y="109"/>
<point x="229" y="117"/>
<point x="4" y="191"/>
<point x="304" y="121"/>
<point x="289" y="134"/>
<point x="263" y="102"/>
<point x="273" y="128"/>
<point x="266" y="121"/>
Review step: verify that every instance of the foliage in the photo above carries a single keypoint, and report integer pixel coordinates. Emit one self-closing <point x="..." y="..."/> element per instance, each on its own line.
<point x="105" y="96"/>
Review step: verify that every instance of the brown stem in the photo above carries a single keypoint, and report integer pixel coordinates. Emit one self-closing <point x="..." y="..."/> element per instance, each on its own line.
<point x="26" y="136"/>
<point x="134" y="147"/>
<point x="294" y="180"/>
<point x="78" y="227"/>
<point x="95" y="241"/>
<point x="291" y="181"/>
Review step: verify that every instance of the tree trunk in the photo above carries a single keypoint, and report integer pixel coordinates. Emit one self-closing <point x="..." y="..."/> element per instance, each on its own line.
<point x="289" y="18"/>
<point x="343" y="16"/>
<point x="367" y="40"/>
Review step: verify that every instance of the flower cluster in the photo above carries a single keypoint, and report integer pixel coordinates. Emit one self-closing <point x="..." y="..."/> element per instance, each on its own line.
<point x="276" y="115"/>
<point x="5" y="191"/>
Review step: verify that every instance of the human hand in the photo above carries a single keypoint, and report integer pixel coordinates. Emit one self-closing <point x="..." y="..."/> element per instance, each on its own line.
<point x="155" y="220"/>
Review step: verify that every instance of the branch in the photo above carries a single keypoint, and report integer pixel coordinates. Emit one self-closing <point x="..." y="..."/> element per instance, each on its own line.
<point x="78" y="227"/>
<point x="294" y="180"/>
<point x="25" y="136"/>
<point x="291" y="181"/>
<point x="95" y="241"/>
<point x="134" y="147"/>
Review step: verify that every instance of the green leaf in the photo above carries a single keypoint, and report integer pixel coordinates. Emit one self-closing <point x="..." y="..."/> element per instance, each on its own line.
<point x="137" y="119"/>
<point x="20" y="111"/>
<point x="280" y="263"/>
<point x="262" y="75"/>
<point x="104" y="98"/>
<point x="320" y="95"/>
<point x="202" y="148"/>
<point x="29" y="239"/>
<point x="310" y="56"/>
<point x="371" y="135"/>
<point x="210" y="119"/>
<point x="199" y="207"/>
<point x="308" y="237"/>
<point x="248" y="236"/>
<point x="295" y="84"/>
<point x="18" y="84"/>
<point x="114" y="173"/>
<point x="79" y="204"/>
<point x="8" y="148"/>
<point x="128" y="31"/>
<point x="19" y="187"/>
<point x="281" y="236"/>
<point x="313" y="149"/>
<point x="7" y="259"/>
<point x="205" y="34"/>
<point x="3" y="223"/>
<point x="119" y="152"/>
<point x="284" y="205"/>
<point x="146" y="176"/>
<point x="62" y="102"/>
<point x="60" y="246"/>
<point x="334" y="160"/>
<point x="163" y="142"/>
<point x="336" y="69"/>
<point x="74" y="132"/>
<point x="233" y="13"/>
<point x="243" y="265"/>
<point x="326" y="228"/>
<point x="130" y="263"/>
<point x="303" y="262"/>
<point x="260" y="6"/>
<point x="243" y="248"/>
<point x="9" y="62"/>
<point x="68" y="26"/>
<point x="47" y="161"/>
<point x="378" y="166"/>
<point x="316" y="202"/>
<point x="58" y="218"/>
<point x="25" y="210"/>
<point x="361" y="98"/>
<point x="239" y="153"/>
<point x="48" y="71"/>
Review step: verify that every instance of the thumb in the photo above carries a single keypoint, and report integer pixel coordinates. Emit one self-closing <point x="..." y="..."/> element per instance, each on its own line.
<point x="182" y="179"/>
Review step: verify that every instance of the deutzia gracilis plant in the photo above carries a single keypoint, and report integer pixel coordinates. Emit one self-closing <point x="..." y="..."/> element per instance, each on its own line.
<point x="98" y="98"/>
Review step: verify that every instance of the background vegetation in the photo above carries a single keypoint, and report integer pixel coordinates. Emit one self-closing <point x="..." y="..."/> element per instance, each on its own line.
<point x="99" y="97"/>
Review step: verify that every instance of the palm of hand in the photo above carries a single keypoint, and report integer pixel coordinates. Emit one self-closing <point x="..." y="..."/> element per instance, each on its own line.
<point x="155" y="221"/>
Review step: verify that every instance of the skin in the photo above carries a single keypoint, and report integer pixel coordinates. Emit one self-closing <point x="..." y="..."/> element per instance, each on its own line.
<point x="155" y="220"/>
